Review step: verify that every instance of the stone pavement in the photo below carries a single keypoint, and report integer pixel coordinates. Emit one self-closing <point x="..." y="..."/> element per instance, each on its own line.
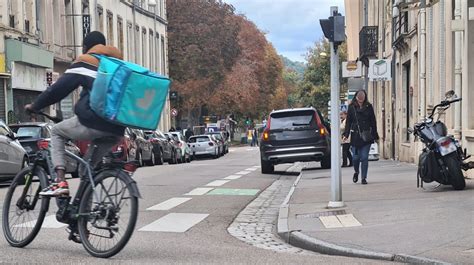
<point x="387" y="219"/>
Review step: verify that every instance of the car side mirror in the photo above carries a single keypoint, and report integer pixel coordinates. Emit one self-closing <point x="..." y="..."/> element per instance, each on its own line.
<point x="13" y="136"/>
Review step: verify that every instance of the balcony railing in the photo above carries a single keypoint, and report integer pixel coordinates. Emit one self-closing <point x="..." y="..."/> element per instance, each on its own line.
<point x="400" y="27"/>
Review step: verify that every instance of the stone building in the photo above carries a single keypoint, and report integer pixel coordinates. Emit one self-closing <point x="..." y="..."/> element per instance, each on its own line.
<point x="41" y="38"/>
<point x="430" y="47"/>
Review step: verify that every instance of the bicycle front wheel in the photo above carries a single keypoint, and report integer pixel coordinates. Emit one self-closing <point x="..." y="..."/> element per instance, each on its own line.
<point x="107" y="215"/>
<point x="24" y="209"/>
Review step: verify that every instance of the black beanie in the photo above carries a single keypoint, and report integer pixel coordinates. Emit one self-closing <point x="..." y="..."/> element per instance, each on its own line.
<point x="92" y="39"/>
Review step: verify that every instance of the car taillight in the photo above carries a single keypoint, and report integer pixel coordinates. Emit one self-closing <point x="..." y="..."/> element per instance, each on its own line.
<point x="266" y="135"/>
<point x="130" y="167"/>
<point x="211" y="144"/>
<point x="322" y="129"/>
<point x="43" y="144"/>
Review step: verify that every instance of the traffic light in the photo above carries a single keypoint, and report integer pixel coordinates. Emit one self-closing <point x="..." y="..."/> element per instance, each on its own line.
<point x="247" y="121"/>
<point x="334" y="28"/>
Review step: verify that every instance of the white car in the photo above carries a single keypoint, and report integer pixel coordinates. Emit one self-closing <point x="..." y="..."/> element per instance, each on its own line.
<point x="13" y="156"/>
<point x="203" y="145"/>
<point x="183" y="147"/>
<point x="374" y="152"/>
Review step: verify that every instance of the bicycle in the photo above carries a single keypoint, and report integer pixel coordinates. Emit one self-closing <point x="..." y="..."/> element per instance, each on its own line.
<point x="105" y="197"/>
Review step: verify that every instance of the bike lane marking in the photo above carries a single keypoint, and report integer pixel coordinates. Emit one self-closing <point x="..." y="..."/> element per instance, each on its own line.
<point x="169" y="204"/>
<point x="234" y="192"/>
<point x="243" y="172"/>
<point x="175" y="222"/>
<point x="233" y="177"/>
<point x="217" y="183"/>
<point x="199" y="191"/>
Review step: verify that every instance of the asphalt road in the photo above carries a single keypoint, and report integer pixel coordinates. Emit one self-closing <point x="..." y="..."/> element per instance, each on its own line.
<point x="206" y="241"/>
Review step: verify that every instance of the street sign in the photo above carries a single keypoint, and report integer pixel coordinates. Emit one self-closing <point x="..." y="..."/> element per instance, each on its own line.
<point x="380" y="70"/>
<point x="174" y="112"/>
<point x="49" y="78"/>
<point x="86" y="25"/>
<point x="352" y="69"/>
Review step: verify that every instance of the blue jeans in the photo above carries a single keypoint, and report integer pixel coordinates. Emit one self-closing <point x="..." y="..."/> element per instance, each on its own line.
<point x="360" y="155"/>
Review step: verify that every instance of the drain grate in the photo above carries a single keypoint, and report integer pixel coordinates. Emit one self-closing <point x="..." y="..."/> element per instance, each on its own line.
<point x="317" y="215"/>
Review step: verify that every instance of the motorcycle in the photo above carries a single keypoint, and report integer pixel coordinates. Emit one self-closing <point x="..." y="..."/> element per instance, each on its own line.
<point x="442" y="159"/>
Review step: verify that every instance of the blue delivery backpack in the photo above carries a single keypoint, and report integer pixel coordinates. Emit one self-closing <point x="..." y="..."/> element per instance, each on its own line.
<point x="128" y="94"/>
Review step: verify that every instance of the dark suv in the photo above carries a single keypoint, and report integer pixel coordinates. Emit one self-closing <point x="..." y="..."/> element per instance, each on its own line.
<point x="293" y="135"/>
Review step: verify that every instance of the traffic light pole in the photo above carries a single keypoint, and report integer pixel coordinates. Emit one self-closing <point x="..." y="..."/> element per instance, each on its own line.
<point x="336" y="187"/>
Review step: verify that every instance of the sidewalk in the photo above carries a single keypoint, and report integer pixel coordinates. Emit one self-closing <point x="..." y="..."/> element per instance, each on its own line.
<point x="397" y="220"/>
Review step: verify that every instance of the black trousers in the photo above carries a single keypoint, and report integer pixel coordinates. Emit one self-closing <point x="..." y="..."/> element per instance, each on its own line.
<point x="346" y="154"/>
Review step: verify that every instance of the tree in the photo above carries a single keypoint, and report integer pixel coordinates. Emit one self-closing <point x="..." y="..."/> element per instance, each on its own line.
<point x="202" y="49"/>
<point x="315" y="89"/>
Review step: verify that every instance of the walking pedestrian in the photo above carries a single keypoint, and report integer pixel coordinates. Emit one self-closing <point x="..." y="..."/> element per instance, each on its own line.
<point x="255" y="137"/>
<point x="346" y="144"/>
<point x="362" y="128"/>
<point x="188" y="134"/>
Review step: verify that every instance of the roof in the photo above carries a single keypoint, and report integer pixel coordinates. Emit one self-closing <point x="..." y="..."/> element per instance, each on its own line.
<point x="295" y="109"/>
<point x="39" y="124"/>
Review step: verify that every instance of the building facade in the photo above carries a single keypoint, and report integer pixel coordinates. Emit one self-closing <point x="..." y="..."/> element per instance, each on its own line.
<point x="39" y="39"/>
<point x="430" y="49"/>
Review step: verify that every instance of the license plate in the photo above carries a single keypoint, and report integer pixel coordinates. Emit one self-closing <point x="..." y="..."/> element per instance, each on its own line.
<point x="446" y="150"/>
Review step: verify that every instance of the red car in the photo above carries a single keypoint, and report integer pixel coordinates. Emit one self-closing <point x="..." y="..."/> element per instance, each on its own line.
<point x="122" y="146"/>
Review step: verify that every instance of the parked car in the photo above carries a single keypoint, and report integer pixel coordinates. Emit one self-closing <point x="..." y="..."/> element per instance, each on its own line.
<point x="203" y="145"/>
<point x="221" y="138"/>
<point x="32" y="135"/>
<point x="183" y="147"/>
<point x="293" y="135"/>
<point x="121" y="146"/>
<point x="13" y="156"/>
<point x="164" y="150"/>
<point x="176" y="144"/>
<point x="140" y="149"/>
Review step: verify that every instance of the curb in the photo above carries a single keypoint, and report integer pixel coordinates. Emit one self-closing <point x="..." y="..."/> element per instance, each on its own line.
<point x="298" y="239"/>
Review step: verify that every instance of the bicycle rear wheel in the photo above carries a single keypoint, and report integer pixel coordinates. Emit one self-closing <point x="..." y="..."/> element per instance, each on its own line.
<point x="24" y="209"/>
<point x="107" y="220"/>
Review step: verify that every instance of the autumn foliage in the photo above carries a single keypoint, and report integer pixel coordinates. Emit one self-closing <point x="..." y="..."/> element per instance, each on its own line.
<point x="220" y="62"/>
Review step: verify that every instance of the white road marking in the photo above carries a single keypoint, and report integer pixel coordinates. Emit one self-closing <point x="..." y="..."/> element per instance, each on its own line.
<point x="257" y="167"/>
<point x="251" y="169"/>
<point x="330" y="221"/>
<point x="49" y="222"/>
<point x="251" y="149"/>
<point x="243" y="173"/>
<point x="175" y="222"/>
<point x="199" y="191"/>
<point x="232" y="177"/>
<point x="169" y="204"/>
<point x="348" y="220"/>
<point x="217" y="183"/>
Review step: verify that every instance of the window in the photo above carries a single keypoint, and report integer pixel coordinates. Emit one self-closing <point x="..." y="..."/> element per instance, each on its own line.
<point x="150" y="47"/>
<point x="120" y="34"/>
<point x="110" y="28"/>
<point x="144" y="50"/>
<point x="137" y="45"/>
<point x="27" y="14"/>
<point x="130" y="53"/>
<point x="163" y="56"/>
<point x="408" y="91"/>
<point x="100" y="20"/>
<point x="13" y="13"/>
<point x="157" y="52"/>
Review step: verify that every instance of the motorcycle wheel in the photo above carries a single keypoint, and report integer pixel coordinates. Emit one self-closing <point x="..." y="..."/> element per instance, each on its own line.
<point x="456" y="176"/>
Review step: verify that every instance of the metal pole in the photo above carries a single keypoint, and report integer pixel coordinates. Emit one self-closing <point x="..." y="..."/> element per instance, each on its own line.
<point x="458" y="35"/>
<point x="336" y="187"/>
<point x="366" y="23"/>
<point x="423" y="60"/>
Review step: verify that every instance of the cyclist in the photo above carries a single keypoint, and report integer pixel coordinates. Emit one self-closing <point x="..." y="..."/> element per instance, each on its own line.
<point x="85" y="125"/>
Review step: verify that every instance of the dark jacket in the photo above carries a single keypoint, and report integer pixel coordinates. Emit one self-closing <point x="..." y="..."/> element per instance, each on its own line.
<point x="81" y="73"/>
<point x="365" y="117"/>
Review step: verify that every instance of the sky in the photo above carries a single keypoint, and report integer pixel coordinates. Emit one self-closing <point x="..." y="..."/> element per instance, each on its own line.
<point x="292" y="26"/>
